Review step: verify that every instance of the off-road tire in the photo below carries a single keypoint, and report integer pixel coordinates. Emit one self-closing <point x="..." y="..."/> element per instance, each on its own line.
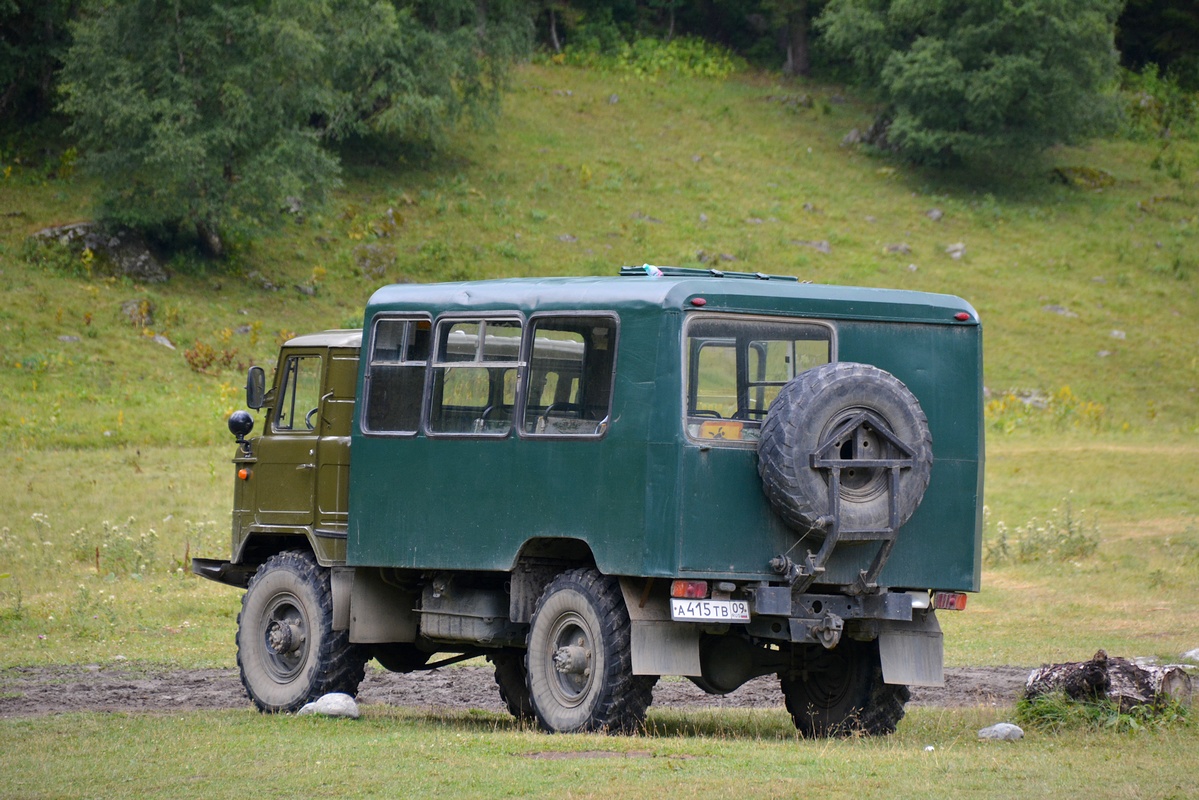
<point x="807" y="410"/>
<point x="584" y="610"/>
<point x="513" y="681"/>
<point x="842" y="693"/>
<point x="290" y="599"/>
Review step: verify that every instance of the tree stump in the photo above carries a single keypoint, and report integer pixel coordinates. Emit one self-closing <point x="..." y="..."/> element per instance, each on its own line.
<point x="1120" y="680"/>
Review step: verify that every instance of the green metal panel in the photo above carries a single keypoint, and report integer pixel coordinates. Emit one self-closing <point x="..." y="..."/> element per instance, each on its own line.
<point x="645" y="499"/>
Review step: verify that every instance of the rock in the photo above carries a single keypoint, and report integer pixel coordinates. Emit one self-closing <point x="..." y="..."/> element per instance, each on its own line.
<point x="1121" y="335"/>
<point x="1192" y="655"/>
<point x="128" y="252"/>
<point x="69" y="339"/>
<point x="568" y="239"/>
<point x="811" y="209"/>
<point x="956" y="250"/>
<point x="264" y="283"/>
<point x="935" y="214"/>
<point x="912" y="268"/>
<point x="637" y="215"/>
<point x="754" y="221"/>
<point x="164" y="341"/>
<point x="1061" y="311"/>
<point x="613" y="99"/>
<point x="139" y="311"/>
<point x="822" y="245"/>
<point x="853" y="137"/>
<point x="373" y="259"/>
<point x="703" y="217"/>
<point x="304" y="288"/>
<point x="898" y="248"/>
<point x="1002" y="732"/>
<point x="1084" y="177"/>
<point x="335" y="704"/>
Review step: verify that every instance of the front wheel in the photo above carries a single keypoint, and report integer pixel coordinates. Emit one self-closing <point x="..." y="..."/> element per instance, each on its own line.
<point x="287" y="650"/>
<point x="841" y="692"/>
<point x="579" y="658"/>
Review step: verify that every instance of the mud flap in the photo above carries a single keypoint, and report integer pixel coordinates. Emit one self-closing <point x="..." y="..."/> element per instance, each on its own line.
<point x="912" y="653"/>
<point x="660" y="646"/>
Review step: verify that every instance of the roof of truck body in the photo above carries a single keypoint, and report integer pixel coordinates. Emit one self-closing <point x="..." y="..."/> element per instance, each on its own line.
<point x="672" y="291"/>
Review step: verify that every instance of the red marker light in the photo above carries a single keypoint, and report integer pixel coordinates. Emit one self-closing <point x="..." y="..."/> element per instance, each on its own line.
<point x="950" y="601"/>
<point x="698" y="302"/>
<point x="694" y="590"/>
<point x="244" y="474"/>
<point x="961" y="316"/>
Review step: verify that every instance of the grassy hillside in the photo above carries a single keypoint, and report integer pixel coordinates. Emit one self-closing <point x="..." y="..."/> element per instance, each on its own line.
<point x="1087" y="294"/>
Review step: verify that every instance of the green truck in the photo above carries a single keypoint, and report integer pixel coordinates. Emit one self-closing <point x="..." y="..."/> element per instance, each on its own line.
<point x="594" y="482"/>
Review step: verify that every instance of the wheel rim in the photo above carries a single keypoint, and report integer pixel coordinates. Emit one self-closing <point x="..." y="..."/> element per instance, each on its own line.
<point x="858" y="484"/>
<point x="570" y="657"/>
<point x="285" y="630"/>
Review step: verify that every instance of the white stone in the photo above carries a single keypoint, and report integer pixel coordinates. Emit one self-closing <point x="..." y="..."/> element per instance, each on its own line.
<point x="1192" y="655"/>
<point x="335" y="704"/>
<point x="1002" y="731"/>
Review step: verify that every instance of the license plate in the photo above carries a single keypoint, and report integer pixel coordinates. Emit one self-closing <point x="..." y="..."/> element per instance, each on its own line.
<point x="709" y="610"/>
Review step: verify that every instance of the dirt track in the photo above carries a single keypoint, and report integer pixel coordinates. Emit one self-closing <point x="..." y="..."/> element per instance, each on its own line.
<point x="32" y="691"/>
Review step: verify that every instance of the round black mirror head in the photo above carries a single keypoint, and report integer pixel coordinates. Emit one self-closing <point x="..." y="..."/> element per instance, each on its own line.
<point x="240" y="424"/>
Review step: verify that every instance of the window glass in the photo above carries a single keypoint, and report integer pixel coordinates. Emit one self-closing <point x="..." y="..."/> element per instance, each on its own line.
<point x="395" y="380"/>
<point x="570" y="376"/>
<point x="301" y="394"/>
<point x="736" y="367"/>
<point x="474" y="377"/>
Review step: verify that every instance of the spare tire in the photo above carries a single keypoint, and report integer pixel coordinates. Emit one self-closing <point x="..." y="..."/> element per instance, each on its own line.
<point x="808" y="410"/>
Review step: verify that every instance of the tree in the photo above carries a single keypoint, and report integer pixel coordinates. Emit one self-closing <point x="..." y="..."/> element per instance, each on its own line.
<point x="1162" y="32"/>
<point x="33" y="36"/>
<point x="214" y="117"/>
<point x="962" y="79"/>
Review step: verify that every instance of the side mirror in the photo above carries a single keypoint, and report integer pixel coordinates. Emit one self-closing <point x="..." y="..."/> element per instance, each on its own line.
<point x="255" y="388"/>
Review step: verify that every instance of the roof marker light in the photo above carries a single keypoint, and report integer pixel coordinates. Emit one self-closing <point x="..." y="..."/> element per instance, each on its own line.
<point x="961" y="316"/>
<point x="698" y="302"/>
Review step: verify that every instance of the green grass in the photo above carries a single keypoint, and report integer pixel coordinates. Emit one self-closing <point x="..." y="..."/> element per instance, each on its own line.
<point x="114" y="441"/>
<point x="394" y="752"/>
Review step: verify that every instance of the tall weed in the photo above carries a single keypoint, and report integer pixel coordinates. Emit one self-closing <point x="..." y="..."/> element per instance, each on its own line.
<point x="1063" y="536"/>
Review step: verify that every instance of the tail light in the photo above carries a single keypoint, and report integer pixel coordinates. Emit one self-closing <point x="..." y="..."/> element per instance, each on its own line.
<point x="692" y="590"/>
<point x="950" y="601"/>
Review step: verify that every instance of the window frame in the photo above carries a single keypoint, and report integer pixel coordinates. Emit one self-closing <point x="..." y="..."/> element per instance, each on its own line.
<point x="751" y="384"/>
<point x="602" y="425"/>
<point x="287" y="381"/>
<point x="437" y="362"/>
<point x="371" y="363"/>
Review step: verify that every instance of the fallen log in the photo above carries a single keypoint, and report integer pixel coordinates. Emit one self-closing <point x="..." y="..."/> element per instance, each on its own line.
<point x="1120" y="680"/>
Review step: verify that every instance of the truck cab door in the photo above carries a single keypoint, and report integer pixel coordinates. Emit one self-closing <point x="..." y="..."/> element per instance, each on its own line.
<point x="287" y="453"/>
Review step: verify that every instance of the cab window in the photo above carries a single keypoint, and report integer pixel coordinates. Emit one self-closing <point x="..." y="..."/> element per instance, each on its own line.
<point x="736" y="366"/>
<point x="301" y="394"/>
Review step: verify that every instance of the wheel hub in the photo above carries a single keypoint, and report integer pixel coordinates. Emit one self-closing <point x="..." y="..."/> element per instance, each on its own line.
<point x="284" y="638"/>
<point x="573" y="660"/>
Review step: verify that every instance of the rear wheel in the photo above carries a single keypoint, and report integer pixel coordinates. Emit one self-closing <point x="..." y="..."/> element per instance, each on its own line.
<point x="579" y="658"/>
<point x="287" y="651"/>
<point x="841" y="692"/>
